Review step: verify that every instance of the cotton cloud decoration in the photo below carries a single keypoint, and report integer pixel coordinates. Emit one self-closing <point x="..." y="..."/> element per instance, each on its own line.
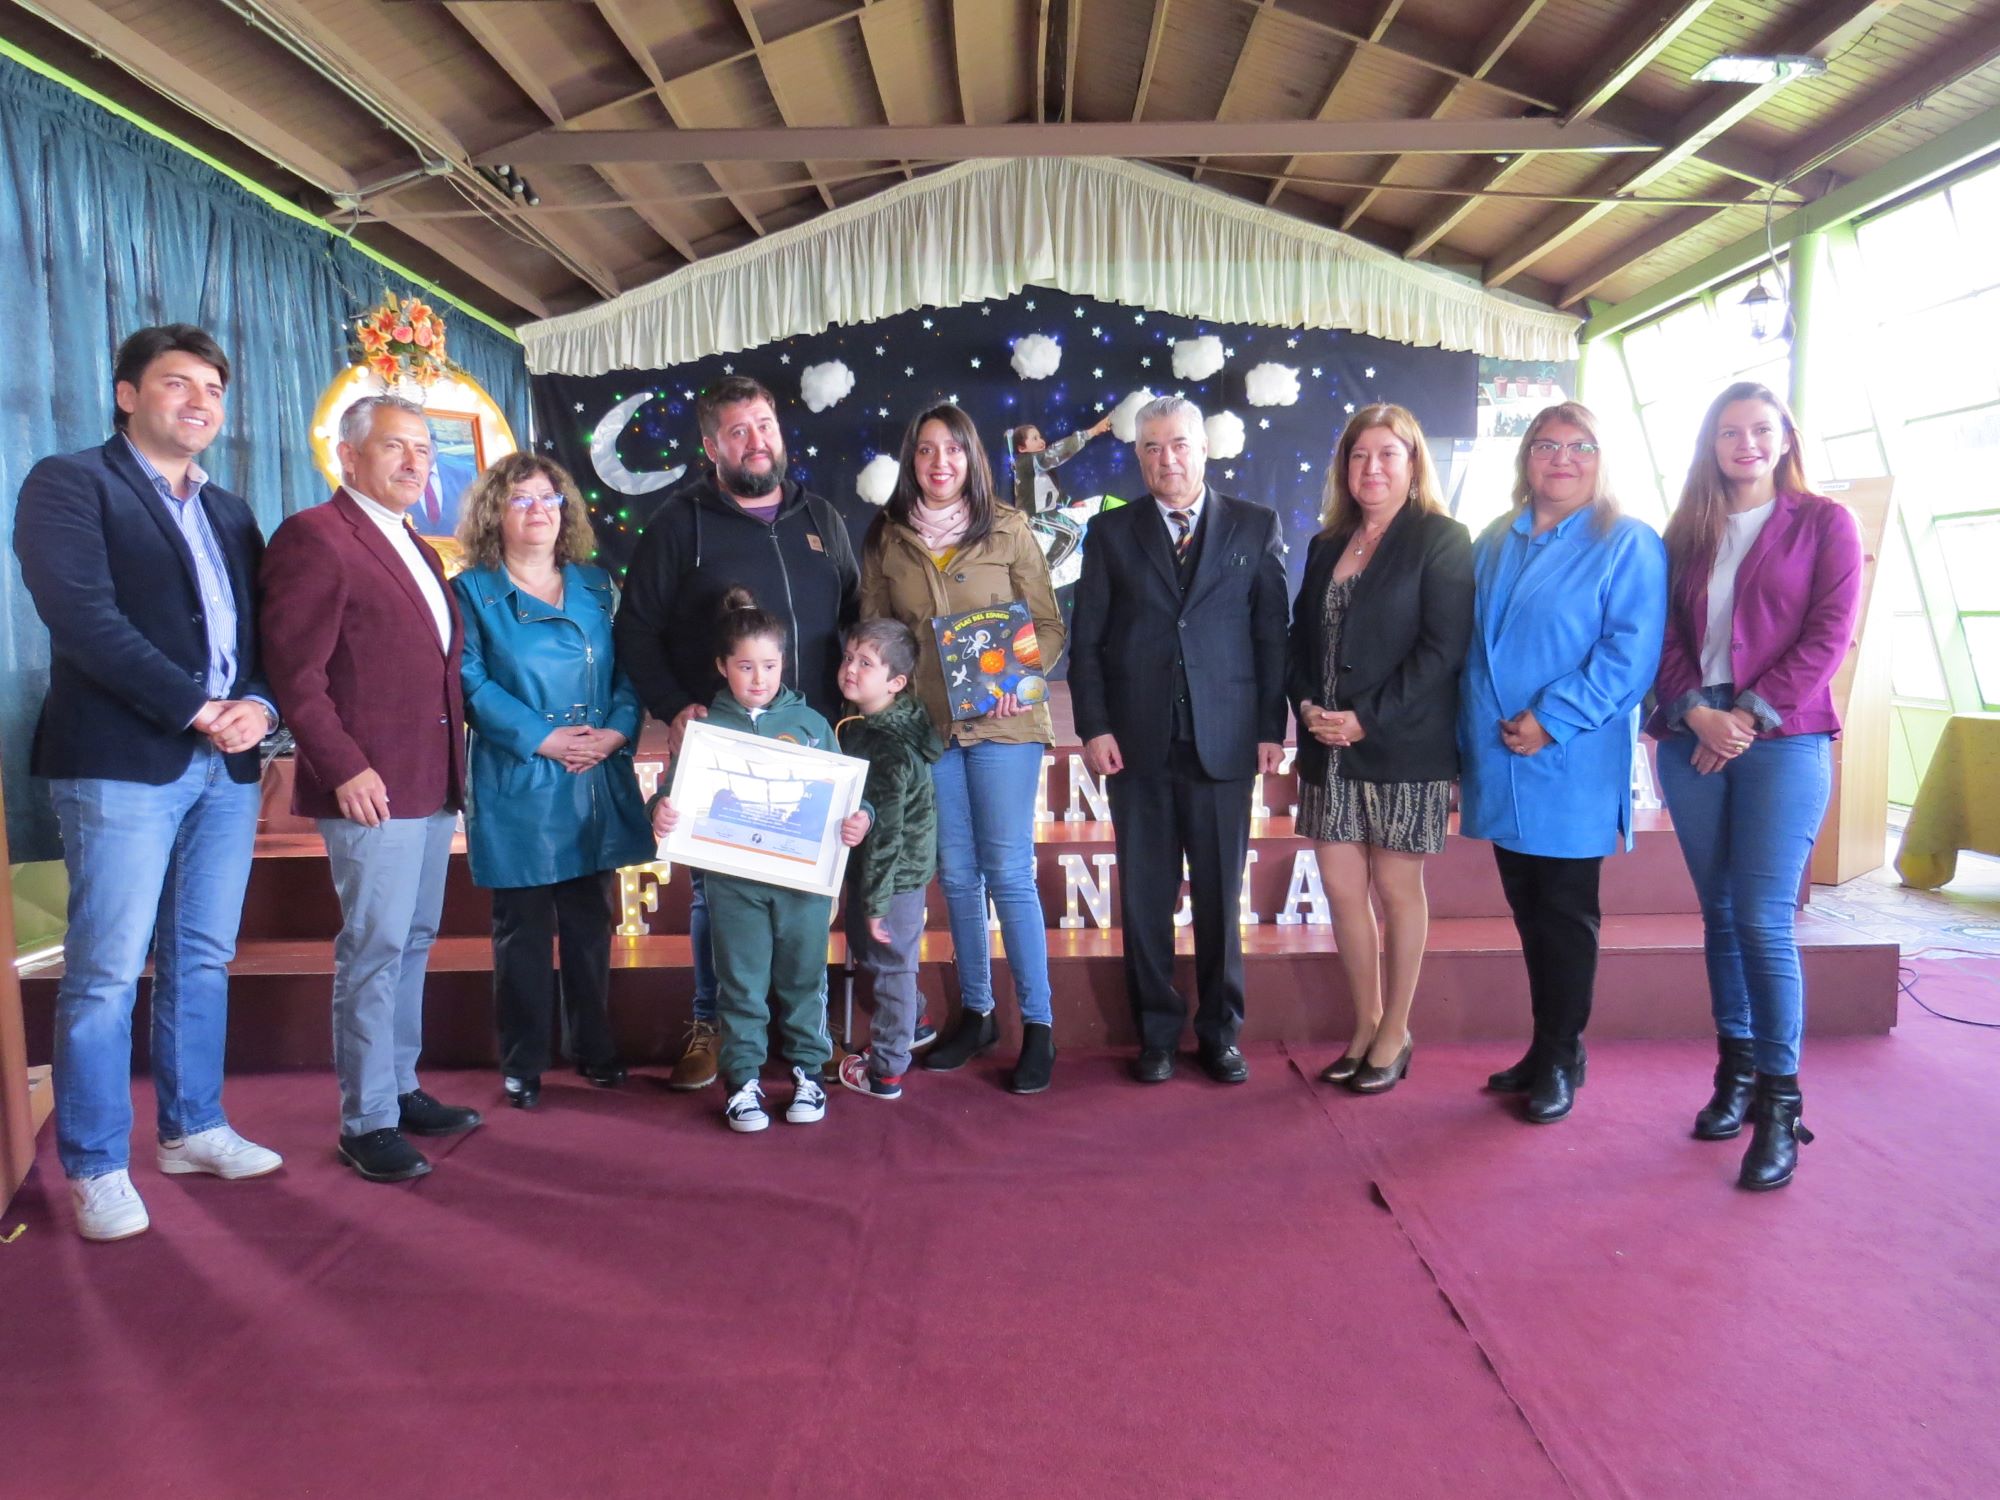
<point x="825" y="385"/>
<point x="1272" y="385"/>
<point x="1197" y="359"/>
<point x="877" y="481"/>
<point x="1225" y="435"/>
<point x="1036" y="356"/>
<point x="1125" y="415"/>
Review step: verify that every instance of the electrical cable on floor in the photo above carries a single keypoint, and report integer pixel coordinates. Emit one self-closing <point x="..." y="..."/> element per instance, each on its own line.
<point x="1908" y="985"/>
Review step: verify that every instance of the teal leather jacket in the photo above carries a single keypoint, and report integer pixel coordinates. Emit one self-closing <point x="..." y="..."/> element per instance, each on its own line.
<point x="530" y="668"/>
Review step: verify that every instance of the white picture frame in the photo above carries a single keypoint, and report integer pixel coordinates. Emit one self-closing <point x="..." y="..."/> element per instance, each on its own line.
<point x="762" y="809"/>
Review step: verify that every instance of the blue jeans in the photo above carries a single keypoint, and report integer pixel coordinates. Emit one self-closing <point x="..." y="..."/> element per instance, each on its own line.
<point x="390" y="880"/>
<point x="986" y="847"/>
<point x="164" y="865"/>
<point x="1747" y="832"/>
<point x="703" y="948"/>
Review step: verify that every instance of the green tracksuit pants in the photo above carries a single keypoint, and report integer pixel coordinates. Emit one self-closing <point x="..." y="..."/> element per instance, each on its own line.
<point x="770" y="960"/>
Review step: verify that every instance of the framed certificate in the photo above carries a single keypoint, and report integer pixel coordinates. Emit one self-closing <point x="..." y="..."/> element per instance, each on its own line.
<point x="762" y="809"/>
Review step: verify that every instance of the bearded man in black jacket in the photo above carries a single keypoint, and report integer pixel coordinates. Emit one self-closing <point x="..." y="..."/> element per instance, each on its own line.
<point x="743" y="523"/>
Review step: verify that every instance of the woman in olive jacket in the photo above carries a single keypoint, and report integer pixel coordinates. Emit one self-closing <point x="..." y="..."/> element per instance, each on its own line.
<point x="943" y="546"/>
<point x="552" y="805"/>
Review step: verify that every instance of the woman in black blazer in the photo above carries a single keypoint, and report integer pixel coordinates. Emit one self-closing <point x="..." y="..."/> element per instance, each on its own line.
<point x="1379" y="632"/>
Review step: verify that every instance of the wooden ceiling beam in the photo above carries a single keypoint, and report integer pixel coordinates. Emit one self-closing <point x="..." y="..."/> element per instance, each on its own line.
<point x="1189" y="138"/>
<point x="1042" y="61"/>
<point x="1385" y="16"/>
<point x="871" y="27"/>
<point x="662" y="89"/>
<point x="1156" y="30"/>
<point x="362" y="73"/>
<point x="1666" y="22"/>
<point x="480" y="25"/>
<point x="1072" y="37"/>
<point x="468" y="251"/>
<point x="748" y="18"/>
<point x="962" y="65"/>
<point x="1829" y="27"/>
<point x="1492" y="47"/>
<point x="1257" y="18"/>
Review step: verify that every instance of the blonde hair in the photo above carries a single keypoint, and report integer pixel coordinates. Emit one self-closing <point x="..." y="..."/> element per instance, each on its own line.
<point x="485" y="503"/>
<point x="1694" y="531"/>
<point x="1603" y="499"/>
<point x="1340" y="513"/>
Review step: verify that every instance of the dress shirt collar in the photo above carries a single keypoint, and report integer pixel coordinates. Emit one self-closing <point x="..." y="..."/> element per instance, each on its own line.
<point x="196" y="475"/>
<point x="1193" y="512"/>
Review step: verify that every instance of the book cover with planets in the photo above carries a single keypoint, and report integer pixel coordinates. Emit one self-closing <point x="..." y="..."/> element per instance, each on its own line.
<point x="987" y="653"/>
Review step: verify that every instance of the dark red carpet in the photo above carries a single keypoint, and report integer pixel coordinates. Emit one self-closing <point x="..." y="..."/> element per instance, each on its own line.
<point x="1106" y="1291"/>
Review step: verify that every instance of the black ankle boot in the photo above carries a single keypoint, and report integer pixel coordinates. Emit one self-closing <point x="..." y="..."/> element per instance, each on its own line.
<point x="1722" y="1117"/>
<point x="1038" y="1060"/>
<point x="1521" y="1076"/>
<point x="971" y="1034"/>
<point x="1557" y="1078"/>
<point x="1775" y="1135"/>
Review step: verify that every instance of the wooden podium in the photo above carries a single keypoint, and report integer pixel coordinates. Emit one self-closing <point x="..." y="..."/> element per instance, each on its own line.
<point x="26" y="1095"/>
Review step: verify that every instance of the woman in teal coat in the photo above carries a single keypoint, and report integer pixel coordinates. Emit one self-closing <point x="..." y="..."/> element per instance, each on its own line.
<point x="1568" y="616"/>
<point x="552" y="806"/>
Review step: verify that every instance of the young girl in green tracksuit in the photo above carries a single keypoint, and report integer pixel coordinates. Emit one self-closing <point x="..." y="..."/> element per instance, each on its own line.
<point x="770" y="942"/>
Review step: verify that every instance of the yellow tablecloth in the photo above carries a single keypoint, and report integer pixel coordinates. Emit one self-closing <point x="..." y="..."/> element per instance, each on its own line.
<point x="1958" y="806"/>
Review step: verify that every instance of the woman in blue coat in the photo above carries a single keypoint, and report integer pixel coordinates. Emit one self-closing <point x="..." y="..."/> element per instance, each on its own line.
<point x="1568" y="616"/>
<point x="552" y="806"/>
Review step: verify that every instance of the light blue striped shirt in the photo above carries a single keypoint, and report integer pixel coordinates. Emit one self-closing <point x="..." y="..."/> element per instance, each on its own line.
<point x="218" y="613"/>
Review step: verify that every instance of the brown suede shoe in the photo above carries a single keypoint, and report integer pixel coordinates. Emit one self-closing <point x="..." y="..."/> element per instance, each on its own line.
<point x="696" y="1069"/>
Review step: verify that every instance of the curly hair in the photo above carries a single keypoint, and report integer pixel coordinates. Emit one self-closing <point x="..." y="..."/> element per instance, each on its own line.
<point x="485" y="503"/>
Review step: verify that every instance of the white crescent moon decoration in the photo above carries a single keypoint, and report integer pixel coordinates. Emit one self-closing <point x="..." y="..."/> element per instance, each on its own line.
<point x="604" y="452"/>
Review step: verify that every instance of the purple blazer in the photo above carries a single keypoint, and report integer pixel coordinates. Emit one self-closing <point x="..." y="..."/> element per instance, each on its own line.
<point x="1798" y="597"/>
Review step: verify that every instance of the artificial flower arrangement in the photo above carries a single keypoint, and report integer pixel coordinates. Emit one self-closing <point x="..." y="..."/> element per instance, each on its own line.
<point x="403" y="339"/>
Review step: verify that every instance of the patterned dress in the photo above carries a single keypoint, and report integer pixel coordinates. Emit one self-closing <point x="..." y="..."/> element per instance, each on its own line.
<point x="1405" y="816"/>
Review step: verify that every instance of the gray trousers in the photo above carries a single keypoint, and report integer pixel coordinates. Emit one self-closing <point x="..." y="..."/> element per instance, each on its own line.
<point x="390" y="880"/>
<point x="893" y="966"/>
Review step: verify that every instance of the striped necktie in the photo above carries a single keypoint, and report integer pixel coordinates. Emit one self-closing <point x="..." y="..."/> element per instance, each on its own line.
<point x="1183" y="534"/>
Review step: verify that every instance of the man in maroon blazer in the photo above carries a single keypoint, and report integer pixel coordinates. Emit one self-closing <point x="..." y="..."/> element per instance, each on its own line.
<point x="362" y="643"/>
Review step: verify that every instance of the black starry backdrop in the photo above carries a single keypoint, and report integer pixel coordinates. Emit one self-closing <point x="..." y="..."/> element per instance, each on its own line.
<point x="901" y="365"/>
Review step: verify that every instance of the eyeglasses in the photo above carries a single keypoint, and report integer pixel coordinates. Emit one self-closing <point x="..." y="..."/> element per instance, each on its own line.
<point x="1546" y="449"/>
<point x="546" y="502"/>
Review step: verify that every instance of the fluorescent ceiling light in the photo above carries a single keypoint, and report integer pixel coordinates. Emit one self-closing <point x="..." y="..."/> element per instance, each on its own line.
<point x="1737" y="68"/>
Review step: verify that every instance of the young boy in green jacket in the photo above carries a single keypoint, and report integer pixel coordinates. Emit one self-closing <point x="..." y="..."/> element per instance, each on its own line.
<point x="892" y="868"/>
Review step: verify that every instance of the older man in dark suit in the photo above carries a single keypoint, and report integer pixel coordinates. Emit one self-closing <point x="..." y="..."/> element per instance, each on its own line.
<point x="363" y="644"/>
<point x="144" y="571"/>
<point x="1198" y="583"/>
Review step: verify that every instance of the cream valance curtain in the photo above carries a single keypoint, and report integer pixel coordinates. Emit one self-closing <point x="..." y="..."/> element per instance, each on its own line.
<point x="1093" y="226"/>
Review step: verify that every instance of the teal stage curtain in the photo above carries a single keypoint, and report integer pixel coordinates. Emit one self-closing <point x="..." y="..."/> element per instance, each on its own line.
<point x="105" y="229"/>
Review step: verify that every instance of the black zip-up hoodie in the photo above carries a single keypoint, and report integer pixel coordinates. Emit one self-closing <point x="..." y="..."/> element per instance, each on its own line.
<point x="698" y="545"/>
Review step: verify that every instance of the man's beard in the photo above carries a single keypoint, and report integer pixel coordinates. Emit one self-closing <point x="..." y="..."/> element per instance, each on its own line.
<point x="749" y="483"/>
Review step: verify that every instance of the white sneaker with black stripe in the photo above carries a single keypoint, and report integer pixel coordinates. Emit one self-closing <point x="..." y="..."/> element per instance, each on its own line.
<point x="808" y="1106"/>
<point x="745" y="1109"/>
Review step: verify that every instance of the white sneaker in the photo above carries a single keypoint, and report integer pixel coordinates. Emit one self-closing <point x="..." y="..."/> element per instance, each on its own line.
<point x="218" y="1151"/>
<point x="808" y="1106"/>
<point x="745" y="1110"/>
<point x="108" y="1207"/>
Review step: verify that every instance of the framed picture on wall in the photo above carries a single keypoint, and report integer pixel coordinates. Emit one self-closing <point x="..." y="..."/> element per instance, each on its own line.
<point x="457" y="457"/>
<point x="762" y="809"/>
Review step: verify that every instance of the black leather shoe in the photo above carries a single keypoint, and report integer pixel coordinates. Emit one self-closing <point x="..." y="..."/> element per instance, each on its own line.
<point x="607" y="1075"/>
<point x="1728" y="1107"/>
<point x="971" y="1034"/>
<point x="1775" y="1135"/>
<point x="1224" y="1064"/>
<point x="1342" y="1068"/>
<point x="1153" y="1065"/>
<point x="423" y="1115"/>
<point x="1032" y="1074"/>
<point x="1520" y="1077"/>
<point x="1554" y="1093"/>
<point x="383" y="1156"/>
<point x="1374" y="1080"/>
<point x="522" y="1093"/>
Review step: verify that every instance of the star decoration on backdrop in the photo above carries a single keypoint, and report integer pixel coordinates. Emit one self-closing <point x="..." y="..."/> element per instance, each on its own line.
<point x="927" y="322"/>
<point x="1291" y="343"/>
<point x="784" y="359"/>
<point x="1349" y="408"/>
<point x="975" y="362"/>
<point x="909" y="369"/>
<point x="1369" y="373"/>
<point x="1263" y="421"/>
<point x="729" y="369"/>
<point x="1079" y="312"/>
<point x="1315" y="372"/>
<point x="579" y="406"/>
<point x="880" y="350"/>
<point x="881" y="411"/>
<point x="1138" y="317"/>
<point x="1228" y="473"/>
<point x="953" y="398"/>
<point x="1304" y="467"/>
<point x="812" y="453"/>
<point x="1229" y="354"/>
<point x="1146" y="361"/>
<point x="1097" y="374"/>
<point x="687" y="395"/>
<point x="985" y="311"/>
<point x="1096" y="332"/>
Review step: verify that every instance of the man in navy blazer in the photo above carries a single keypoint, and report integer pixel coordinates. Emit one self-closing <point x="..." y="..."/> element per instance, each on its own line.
<point x="1176" y="674"/>
<point x="364" y="641"/>
<point x="144" y="571"/>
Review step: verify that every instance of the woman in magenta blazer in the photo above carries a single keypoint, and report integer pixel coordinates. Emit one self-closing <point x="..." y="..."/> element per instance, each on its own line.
<point x="1763" y="591"/>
